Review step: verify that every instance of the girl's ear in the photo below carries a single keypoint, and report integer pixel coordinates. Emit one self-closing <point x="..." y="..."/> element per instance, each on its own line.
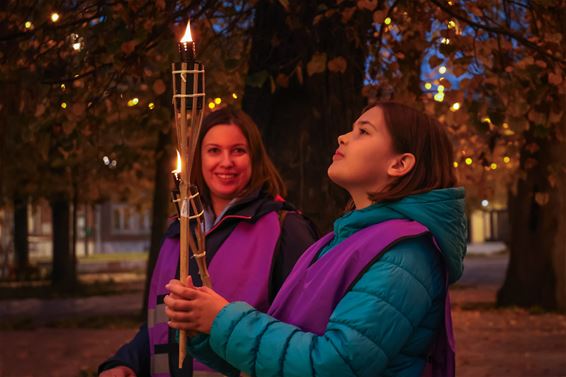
<point x="401" y="165"/>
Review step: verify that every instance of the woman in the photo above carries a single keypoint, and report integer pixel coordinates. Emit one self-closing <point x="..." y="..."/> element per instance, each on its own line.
<point x="368" y="299"/>
<point x="253" y="239"/>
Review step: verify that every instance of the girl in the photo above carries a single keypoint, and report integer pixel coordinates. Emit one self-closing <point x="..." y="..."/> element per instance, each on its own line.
<point x="370" y="298"/>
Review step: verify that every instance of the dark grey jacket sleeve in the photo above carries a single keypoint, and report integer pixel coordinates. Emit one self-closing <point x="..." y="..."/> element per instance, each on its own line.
<point x="297" y="234"/>
<point x="134" y="355"/>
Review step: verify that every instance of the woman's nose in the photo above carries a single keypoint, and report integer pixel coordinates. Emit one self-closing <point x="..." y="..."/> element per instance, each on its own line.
<point x="226" y="159"/>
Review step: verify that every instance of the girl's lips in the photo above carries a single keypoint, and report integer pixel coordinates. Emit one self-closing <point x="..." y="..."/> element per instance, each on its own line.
<point x="337" y="156"/>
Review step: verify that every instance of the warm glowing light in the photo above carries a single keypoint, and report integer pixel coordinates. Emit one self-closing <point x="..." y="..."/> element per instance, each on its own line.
<point x="77" y="46"/>
<point x="234" y="95"/>
<point x="151" y="105"/>
<point x="506" y="125"/>
<point x="55" y="17"/>
<point x="455" y="106"/>
<point x="387" y="21"/>
<point x="440" y="88"/>
<point x="187" y="36"/>
<point x="442" y="70"/>
<point x="217" y="100"/>
<point x="485" y="203"/>
<point x="452" y="24"/>
<point x="63" y="87"/>
<point x="493" y="166"/>
<point x="456" y="164"/>
<point x="428" y="86"/>
<point x="445" y="41"/>
<point x="506" y="159"/>
<point x="211" y="105"/>
<point x="106" y="160"/>
<point x="439" y="97"/>
<point x="179" y="166"/>
<point x="133" y="102"/>
<point x="28" y="25"/>
<point x="486" y="119"/>
<point x="468" y="161"/>
<point x="63" y="105"/>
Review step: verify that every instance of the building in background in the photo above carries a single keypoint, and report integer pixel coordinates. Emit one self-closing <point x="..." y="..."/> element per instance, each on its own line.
<point x="101" y="228"/>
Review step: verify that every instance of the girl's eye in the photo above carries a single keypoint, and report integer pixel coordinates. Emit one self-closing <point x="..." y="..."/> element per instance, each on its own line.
<point x="213" y="150"/>
<point x="363" y="131"/>
<point x="240" y="150"/>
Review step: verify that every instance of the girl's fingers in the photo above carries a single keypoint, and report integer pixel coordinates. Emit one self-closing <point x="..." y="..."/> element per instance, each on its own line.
<point x="179" y="316"/>
<point x="189" y="282"/>
<point x="178" y="304"/>
<point x="188" y="293"/>
<point x="183" y="326"/>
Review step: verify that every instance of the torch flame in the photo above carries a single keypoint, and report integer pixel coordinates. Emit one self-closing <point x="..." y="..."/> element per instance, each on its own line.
<point x="178" y="168"/>
<point x="187" y="37"/>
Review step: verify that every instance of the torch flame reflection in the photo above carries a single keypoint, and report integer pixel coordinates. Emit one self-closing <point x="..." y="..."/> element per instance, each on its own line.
<point x="187" y="37"/>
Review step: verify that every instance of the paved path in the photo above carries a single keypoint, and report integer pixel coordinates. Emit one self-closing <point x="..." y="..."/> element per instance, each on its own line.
<point x="477" y="271"/>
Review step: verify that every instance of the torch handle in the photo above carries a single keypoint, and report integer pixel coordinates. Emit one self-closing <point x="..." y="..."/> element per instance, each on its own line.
<point x="183" y="273"/>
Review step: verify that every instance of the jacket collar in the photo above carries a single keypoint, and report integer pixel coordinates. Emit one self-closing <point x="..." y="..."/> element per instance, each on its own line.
<point x="248" y="208"/>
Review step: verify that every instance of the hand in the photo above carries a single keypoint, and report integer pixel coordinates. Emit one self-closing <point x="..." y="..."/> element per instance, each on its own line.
<point x="120" y="371"/>
<point x="192" y="308"/>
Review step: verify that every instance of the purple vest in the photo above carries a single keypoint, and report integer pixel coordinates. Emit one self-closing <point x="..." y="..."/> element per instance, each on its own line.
<point x="240" y="271"/>
<point x="312" y="291"/>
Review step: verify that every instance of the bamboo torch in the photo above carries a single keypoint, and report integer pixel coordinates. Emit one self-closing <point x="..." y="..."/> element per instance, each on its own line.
<point x="188" y="101"/>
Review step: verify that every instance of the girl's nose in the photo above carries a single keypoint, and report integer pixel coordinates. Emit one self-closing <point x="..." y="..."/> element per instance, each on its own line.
<point x="342" y="139"/>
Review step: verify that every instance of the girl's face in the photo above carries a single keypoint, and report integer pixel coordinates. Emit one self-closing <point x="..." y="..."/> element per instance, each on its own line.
<point x="226" y="162"/>
<point x="364" y="155"/>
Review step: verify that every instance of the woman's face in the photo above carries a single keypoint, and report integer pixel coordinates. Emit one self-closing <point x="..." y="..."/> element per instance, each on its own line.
<point x="364" y="155"/>
<point x="226" y="162"/>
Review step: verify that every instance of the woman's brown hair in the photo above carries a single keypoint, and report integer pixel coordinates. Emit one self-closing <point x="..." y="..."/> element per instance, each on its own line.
<point x="264" y="174"/>
<point x="412" y="131"/>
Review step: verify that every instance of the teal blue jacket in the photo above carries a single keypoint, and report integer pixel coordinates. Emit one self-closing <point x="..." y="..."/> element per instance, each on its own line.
<point x="382" y="327"/>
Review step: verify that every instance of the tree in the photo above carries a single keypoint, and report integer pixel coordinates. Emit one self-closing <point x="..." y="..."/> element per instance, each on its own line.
<point x="303" y="88"/>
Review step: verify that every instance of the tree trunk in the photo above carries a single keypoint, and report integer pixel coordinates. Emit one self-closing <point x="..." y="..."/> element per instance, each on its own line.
<point x="300" y="120"/>
<point x="536" y="275"/>
<point x="21" y="245"/>
<point x="537" y="266"/>
<point x="62" y="275"/>
<point x="74" y="212"/>
<point x="160" y="206"/>
<point x="86" y="228"/>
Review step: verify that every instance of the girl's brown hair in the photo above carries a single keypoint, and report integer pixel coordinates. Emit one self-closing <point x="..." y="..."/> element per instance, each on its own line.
<point x="413" y="131"/>
<point x="264" y="174"/>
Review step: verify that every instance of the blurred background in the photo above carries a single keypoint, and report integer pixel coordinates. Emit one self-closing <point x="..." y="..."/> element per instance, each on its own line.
<point x="86" y="152"/>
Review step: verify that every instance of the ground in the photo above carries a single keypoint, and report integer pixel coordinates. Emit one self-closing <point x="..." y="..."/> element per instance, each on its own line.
<point x="490" y="342"/>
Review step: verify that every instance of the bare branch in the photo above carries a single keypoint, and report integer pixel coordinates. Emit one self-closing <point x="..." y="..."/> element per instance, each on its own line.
<point x="498" y="30"/>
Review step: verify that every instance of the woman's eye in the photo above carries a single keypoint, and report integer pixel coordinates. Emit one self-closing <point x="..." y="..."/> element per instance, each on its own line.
<point x="240" y="150"/>
<point x="213" y="150"/>
<point x="363" y="131"/>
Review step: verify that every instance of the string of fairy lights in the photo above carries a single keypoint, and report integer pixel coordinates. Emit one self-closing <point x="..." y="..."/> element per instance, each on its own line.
<point x="438" y="96"/>
<point x="77" y="44"/>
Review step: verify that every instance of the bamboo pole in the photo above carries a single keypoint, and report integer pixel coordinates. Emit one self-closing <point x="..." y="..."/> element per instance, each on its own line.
<point x="191" y="209"/>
